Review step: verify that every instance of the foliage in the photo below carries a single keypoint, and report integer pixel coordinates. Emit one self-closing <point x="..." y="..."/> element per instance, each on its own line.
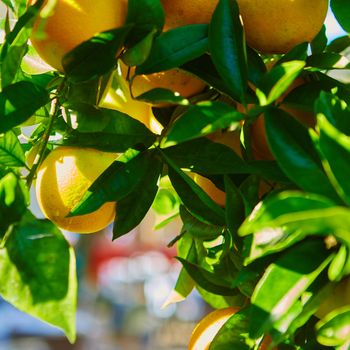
<point x="280" y="251"/>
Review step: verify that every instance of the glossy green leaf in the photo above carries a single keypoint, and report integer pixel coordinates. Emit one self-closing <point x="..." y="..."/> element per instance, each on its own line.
<point x="163" y="96"/>
<point x="176" y="47"/>
<point x="11" y="152"/>
<point x="133" y="208"/>
<point x="199" y="229"/>
<point x="334" y="329"/>
<point x="336" y="268"/>
<point x="195" y="199"/>
<point x="228" y="48"/>
<point x="208" y="280"/>
<point x="335" y="148"/>
<point x="202" y="119"/>
<point x="106" y="129"/>
<point x="341" y="10"/>
<point x="328" y="60"/>
<point x="275" y="82"/>
<point x="293" y="273"/>
<point x="18" y="102"/>
<point x="207" y="157"/>
<point x="115" y="183"/>
<point x="96" y="56"/>
<point x="145" y="16"/>
<point x="14" y="199"/>
<point x="40" y="263"/>
<point x="295" y="152"/>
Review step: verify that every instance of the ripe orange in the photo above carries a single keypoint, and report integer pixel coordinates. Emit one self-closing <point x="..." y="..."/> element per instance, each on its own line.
<point x="71" y="23"/>
<point x="206" y="330"/>
<point x="275" y="26"/>
<point x="62" y="180"/>
<point x="339" y="297"/>
<point x="181" y="12"/>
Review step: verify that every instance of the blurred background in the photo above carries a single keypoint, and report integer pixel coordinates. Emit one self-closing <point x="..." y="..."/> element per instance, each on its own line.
<point x="123" y="286"/>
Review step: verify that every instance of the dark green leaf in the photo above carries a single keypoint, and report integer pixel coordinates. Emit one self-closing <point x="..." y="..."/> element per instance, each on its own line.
<point x="18" y="102"/>
<point x="145" y="16"/>
<point x="159" y="96"/>
<point x="176" y="47"/>
<point x="295" y="152"/>
<point x="133" y="208"/>
<point x="202" y="119"/>
<point x="335" y="148"/>
<point x="195" y="199"/>
<point x="228" y="48"/>
<point x="115" y="183"/>
<point x="106" y="129"/>
<point x="328" y="60"/>
<point x="341" y="10"/>
<point x="96" y="56"/>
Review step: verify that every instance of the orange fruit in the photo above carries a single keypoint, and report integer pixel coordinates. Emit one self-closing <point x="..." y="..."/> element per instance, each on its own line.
<point x="206" y="330"/>
<point x="180" y="12"/>
<point x="339" y="297"/>
<point x="275" y="26"/>
<point x="71" y="23"/>
<point x="62" y="180"/>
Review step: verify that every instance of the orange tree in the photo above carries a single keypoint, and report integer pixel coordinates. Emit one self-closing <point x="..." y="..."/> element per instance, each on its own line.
<point x="278" y="249"/>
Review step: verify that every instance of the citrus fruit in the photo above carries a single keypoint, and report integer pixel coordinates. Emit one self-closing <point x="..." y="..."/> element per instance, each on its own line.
<point x="71" y="23"/>
<point x="339" y="297"/>
<point x="181" y="12"/>
<point x="175" y="80"/>
<point x="206" y="330"/>
<point x="62" y="180"/>
<point x="275" y="26"/>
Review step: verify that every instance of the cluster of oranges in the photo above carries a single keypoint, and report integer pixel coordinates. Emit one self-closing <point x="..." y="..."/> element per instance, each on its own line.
<point x="271" y="27"/>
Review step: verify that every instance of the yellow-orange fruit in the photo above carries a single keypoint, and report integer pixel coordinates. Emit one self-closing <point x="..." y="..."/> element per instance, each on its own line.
<point x="62" y="180"/>
<point x="71" y="23"/>
<point x="181" y="12"/>
<point x="276" y="26"/>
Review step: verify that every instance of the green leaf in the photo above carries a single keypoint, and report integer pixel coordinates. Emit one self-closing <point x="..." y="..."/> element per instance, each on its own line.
<point x="339" y="44"/>
<point x="228" y="48"/>
<point x="207" y="157"/>
<point x="96" y="56"/>
<point x="145" y="16"/>
<point x="115" y="183"/>
<point x="233" y="334"/>
<point x="159" y="96"/>
<point x="18" y="102"/>
<point x="341" y="10"/>
<point x="133" y="208"/>
<point x="284" y="219"/>
<point x="202" y="119"/>
<point x="192" y="195"/>
<point x="275" y="82"/>
<point x="293" y="273"/>
<point x="328" y="60"/>
<point x="199" y="229"/>
<point x="106" y="129"/>
<point x="208" y="280"/>
<point x="176" y="47"/>
<point x="319" y="43"/>
<point x="41" y="264"/>
<point x="138" y="54"/>
<point x="14" y="199"/>
<point x="334" y="329"/>
<point x="336" y="268"/>
<point x="11" y="152"/>
<point x="335" y="148"/>
<point x="295" y="152"/>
